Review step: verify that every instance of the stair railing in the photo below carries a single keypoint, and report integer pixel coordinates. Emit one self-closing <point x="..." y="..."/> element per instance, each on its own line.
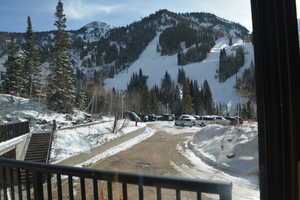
<point x="51" y="140"/>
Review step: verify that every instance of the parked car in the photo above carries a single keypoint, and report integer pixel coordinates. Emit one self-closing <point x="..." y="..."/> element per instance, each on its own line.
<point x="165" y="117"/>
<point x="185" y="120"/>
<point x="238" y="119"/>
<point x="207" y="119"/>
<point x="133" y="116"/>
<point x="222" y="120"/>
<point x="152" y="117"/>
<point x="199" y="121"/>
<point x="145" y="118"/>
<point x="159" y="117"/>
<point x="234" y="120"/>
<point x="169" y="117"/>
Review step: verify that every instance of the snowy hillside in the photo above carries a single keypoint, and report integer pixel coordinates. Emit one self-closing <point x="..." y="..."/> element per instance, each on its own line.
<point x="15" y="109"/>
<point x="76" y="132"/>
<point x="155" y="66"/>
<point x="99" y="47"/>
<point x="208" y="20"/>
<point x="93" y="31"/>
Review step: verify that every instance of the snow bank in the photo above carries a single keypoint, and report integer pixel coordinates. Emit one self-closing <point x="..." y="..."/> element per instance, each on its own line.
<point x="71" y="142"/>
<point x="243" y="188"/>
<point x="16" y="109"/>
<point x="234" y="149"/>
<point x="121" y="147"/>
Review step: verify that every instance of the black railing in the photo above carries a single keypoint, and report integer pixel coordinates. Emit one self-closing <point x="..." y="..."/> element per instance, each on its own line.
<point x="51" y="140"/>
<point x="47" y="178"/>
<point x="9" y="131"/>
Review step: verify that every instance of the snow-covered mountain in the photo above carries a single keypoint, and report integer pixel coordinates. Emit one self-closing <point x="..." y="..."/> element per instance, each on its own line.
<point x="93" y="31"/>
<point x="152" y="44"/>
<point x="100" y="47"/>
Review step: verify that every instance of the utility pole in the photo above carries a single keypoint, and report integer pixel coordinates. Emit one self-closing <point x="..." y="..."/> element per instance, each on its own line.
<point x="122" y="104"/>
<point x="111" y="102"/>
<point x="167" y="108"/>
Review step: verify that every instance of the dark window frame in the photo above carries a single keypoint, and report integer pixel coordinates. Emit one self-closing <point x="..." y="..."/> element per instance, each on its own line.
<point x="276" y="45"/>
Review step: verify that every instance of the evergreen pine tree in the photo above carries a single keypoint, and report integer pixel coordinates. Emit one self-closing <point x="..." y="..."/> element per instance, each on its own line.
<point x="196" y="98"/>
<point x="181" y="77"/>
<point x="187" y="103"/>
<point x="31" y="73"/>
<point x="153" y="101"/>
<point x="138" y="90"/>
<point x="81" y="100"/>
<point x="250" y="111"/>
<point x="167" y="89"/>
<point x="61" y="80"/>
<point x="207" y="98"/>
<point x="13" y="79"/>
<point x="244" y="112"/>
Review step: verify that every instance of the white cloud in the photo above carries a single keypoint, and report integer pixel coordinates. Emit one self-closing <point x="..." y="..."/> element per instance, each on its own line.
<point x="78" y="9"/>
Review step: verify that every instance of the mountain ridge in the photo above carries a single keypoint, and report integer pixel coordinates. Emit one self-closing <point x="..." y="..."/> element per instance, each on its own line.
<point x="100" y="50"/>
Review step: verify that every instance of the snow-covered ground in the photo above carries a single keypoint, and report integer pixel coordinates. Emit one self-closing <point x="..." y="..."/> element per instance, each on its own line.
<point x="226" y="154"/>
<point x="75" y="134"/>
<point x="16" y="109"/>
<point x="71" y="142"/>
<point x="231" y="148"/>
<point x="154" y="65"/>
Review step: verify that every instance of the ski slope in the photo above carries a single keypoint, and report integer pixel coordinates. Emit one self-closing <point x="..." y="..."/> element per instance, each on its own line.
<point x="154" y="65"/>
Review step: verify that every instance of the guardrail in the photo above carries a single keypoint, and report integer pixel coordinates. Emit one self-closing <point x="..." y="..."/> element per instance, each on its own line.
<point x="9" y="131"/>
<point x="43" y="175"/>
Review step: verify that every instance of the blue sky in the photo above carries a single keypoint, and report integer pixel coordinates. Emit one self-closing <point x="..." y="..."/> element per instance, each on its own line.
<point x="13" y="13"/>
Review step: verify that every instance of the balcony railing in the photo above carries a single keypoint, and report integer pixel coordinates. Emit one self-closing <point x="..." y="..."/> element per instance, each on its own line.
<point x="9" y="131"/>
<point x="45" y="178"/>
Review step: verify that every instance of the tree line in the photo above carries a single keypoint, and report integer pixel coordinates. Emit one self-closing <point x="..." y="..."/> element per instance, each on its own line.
<point x="230" y="64"/>
<point x="171" y="96"/>
<point x="246" y="87"/>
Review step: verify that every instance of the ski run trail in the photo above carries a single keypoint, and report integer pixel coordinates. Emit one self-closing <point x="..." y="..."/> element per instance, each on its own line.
<point x="154" y="65"/>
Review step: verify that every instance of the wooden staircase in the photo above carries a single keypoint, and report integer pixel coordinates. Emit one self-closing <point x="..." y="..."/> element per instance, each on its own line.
<point x="38" y="151"/>
<point x="38" y="148"/>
